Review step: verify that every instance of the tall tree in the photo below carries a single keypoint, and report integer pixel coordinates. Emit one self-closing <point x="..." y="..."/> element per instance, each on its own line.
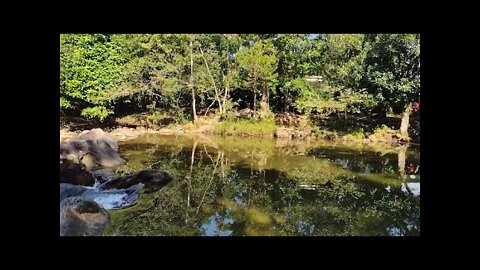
<point x="293" y="59"/>
<point x="192" y="89"/>
<point x="393" y="71"/>
<point x="259" y="63"/>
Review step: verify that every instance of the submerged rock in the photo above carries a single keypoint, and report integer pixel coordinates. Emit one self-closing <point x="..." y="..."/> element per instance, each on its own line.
<point x="80" y="217"/>
<point x="152" y="179"/>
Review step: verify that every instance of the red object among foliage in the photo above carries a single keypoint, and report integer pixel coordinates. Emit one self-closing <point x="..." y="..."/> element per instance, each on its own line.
<point x="411" y="169"/>
<point x="416" y="106"/>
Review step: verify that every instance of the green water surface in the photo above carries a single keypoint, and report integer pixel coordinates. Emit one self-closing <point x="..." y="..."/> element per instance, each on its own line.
<point x="231" y="186"/>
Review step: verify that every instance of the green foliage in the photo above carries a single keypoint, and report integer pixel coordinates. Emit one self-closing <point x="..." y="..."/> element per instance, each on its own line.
<point x="357" y="134"/>
<point x="258" y="64"/>
<point x="383" y="129"/>
<point x="90" y="72"/>
<point x="105" y="73"/>
<point x="157" y="117"/>
<point x="96" y="112"/>
<point x="318" y="97"/>
<point x="343" y="60"/>
<point x="393" y="67"/>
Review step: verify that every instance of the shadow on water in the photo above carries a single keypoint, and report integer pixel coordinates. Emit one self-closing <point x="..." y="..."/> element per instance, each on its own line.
<point x="244" y="187"/>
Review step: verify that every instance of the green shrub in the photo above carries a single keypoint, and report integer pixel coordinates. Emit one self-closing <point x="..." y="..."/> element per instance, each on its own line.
<point x="99" y="112"/>
<point x="357" y="134"/>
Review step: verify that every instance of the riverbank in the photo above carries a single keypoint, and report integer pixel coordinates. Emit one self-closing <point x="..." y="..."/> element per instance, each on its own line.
<point x="285" y="127"/>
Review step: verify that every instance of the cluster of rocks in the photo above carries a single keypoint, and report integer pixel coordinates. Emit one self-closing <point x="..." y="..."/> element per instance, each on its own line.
<point x="291" y="133"/>
<point x="389" y="136"/>
<point x="88" y="188"/>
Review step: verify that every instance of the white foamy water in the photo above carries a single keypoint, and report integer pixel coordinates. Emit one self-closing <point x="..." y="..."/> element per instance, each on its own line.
<point x="415" y="188"/>
<point x="109" y="200"/>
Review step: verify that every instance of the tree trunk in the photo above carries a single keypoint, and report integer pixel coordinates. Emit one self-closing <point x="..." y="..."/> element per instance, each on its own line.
<point x="401" y="161"/>
<point x="192" y="159"/>
<point x="194" y="111"/>
<point x="265" y="96"/>
<point x="268" y="98"/>
<point x="254" y="97"/>
<point x="225" y="95"/>
<point x="225" y="99"/>
<point x="217" y="98"/>
<point x="405" y="121"/>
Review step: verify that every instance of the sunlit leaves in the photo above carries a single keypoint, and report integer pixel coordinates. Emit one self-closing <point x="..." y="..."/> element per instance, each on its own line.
<point x="393" y="67"/>
<point x="90" y="67"/>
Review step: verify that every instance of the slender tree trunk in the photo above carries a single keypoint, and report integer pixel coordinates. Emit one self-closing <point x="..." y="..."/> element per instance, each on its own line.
<point x="405" y="120"/>
<point x="225" y="99"/>
<point x="192" y="159"/>
<point x="265" y="96"/>
<point x="194" y="111"/>
<point x="225" y="95"/>
<point x="401" y="167"/>
<point x="268" y="98"/>
<point x="401" y="160"/>
<point x="221" y="166"/>
<point x="217" y="98"/>
<point x="254" y="98"/>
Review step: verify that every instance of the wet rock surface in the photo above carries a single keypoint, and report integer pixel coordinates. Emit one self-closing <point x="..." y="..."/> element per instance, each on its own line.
<point x="81" y="217"/>
<point x="88" y="188"/>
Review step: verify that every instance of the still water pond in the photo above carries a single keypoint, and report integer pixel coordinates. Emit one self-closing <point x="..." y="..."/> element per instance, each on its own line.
<point x="230" y="186"/>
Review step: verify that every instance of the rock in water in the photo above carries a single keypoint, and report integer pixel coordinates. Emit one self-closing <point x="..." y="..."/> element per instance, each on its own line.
<point x="74" y="173"/>
<point x="98" y="134"/>
<point x="94" y="154"/>
<point x="152" y="179"/>
<point x="80" y="217"/>
<point x="108" y="199"/>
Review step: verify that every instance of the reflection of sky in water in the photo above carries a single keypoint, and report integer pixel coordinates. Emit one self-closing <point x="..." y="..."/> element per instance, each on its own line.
<point x="238" y="200"/>
<point x="211" y="228"/>
<point x="305" y="228"/>
<point x="414" y="187"/>
<point x="394" y="231"/>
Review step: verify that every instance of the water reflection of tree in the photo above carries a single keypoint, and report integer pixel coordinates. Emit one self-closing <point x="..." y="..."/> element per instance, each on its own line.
<point x="246" y="201"/>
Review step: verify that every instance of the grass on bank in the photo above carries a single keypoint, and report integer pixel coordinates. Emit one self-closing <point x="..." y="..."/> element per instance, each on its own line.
<point x="265" y="127"/>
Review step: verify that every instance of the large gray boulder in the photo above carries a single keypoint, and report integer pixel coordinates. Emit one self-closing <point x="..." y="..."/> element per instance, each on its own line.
<point x="81" y="217"/>
<point x="98" y="134"/>
<point x="94" y="154"/>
